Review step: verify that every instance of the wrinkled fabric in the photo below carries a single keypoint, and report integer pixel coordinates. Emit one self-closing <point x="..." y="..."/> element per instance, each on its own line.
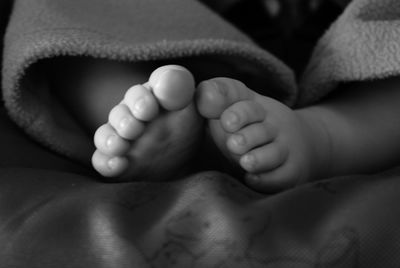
<point x="55" y="219"/>
<point x="57" y="213"/>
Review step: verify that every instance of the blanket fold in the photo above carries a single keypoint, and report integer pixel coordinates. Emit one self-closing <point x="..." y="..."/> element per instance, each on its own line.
<point x="208" y="220"/>
<point x="361" y="45"/>
<point x="132" y="31"/>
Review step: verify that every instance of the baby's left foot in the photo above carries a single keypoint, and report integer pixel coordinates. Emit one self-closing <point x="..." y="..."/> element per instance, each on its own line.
<point x="154" y="132"/>
<point x="273" y="143"/>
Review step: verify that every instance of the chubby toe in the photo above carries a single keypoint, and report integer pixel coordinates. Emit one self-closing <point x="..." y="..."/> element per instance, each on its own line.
<point x="264" y="158"/>
<point x="214" y="96"/>
<point x="250" y="137"/>
<point x="173" y="86"/>
<point x="241" y="114"/>
<point x="124" y="123"/>
<point x="109" y="166"/>
<point x="141" y="103"/>
<point x="276" y="180"/>
<point x="107" y="141"/>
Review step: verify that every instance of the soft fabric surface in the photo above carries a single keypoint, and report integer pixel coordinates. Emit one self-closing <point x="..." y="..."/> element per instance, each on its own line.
<point x="57" y="214"/>
<point x="55" y="219"/>
<point x="360" y="45"/>
<point x="132" y="30"/>
<point x="363" y="44"/>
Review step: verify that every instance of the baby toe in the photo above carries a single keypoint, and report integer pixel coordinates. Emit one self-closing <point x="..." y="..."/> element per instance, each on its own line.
<point x="141" y="103"/>
<point x="127" y="126"/>
<point x="109" y="166"/>
<point x="276" y="180"/>
<point x="173" y="86"/>
<point x="265" y="158"/>
<point x="250" y="137"/>
<point x="241" y="114"/>
<point x="214" y="96"/>
<point x="107" y="141"/>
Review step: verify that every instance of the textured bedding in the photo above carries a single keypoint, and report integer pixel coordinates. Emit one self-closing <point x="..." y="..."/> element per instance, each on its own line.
<point x="55" y="212"/>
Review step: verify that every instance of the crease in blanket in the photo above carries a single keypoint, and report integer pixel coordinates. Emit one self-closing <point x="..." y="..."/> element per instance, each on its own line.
<point x="5" y="9"/>
<point x="362" y="44"/>
<point x="63" y="28"/>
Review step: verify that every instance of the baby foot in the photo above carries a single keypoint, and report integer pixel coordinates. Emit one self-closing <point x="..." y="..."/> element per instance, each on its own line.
<point x="153" y="131"/>
<point x="266" y="138"/>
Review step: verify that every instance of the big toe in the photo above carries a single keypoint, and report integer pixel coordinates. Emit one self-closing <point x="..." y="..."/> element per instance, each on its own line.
<point x="173" y="86"/>
<point x="214" y="96"/>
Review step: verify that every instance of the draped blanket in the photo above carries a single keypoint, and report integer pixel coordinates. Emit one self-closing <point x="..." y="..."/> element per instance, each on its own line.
<point x="54" y="213"/>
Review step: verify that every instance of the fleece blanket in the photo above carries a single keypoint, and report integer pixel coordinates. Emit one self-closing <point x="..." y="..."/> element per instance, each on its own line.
<point x="67" y="218"/>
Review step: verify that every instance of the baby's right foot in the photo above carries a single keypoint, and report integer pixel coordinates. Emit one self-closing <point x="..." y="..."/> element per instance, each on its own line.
<point x="153" y="132"/>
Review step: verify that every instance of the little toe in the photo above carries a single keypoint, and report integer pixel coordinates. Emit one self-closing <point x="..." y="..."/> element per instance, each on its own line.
<point x="127" y="126"/>
<point x="109" y="142"/>
<point x="276" y="180"/>
<point x="250" y="137"/>
<point x="173" y="86"/>
<point x="215" y="95"/>
<point x="241" y="114"/>
<point x="109" y="166"/>
<point x="141" y="103"/>
<point x="264" y="158"/>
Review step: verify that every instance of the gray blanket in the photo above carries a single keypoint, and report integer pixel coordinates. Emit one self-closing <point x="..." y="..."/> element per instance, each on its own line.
<point x="361" y="45"/>
<point x="60" y="219"/>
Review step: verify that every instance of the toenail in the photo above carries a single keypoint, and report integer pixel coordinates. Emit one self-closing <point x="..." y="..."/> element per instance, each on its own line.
<point x="112" y="163"/>
<point x="124" y="123"/>
<point x="140" y="104"/>
<point x="249" y="161"/>
<point x="232" y="119"/>
<point x="238" y="140"/>
<point x="111" y="140"/>
<point x="209" y="84"/>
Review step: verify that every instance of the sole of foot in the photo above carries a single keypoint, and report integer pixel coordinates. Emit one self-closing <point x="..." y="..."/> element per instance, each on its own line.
<point x="153" y="132"/>
<point x="261" y="135"/>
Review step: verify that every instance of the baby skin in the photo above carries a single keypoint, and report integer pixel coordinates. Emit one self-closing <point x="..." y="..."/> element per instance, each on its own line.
<point x="276" y="146"/>
<point x="263" y="136"/>
<point x="270" y="141"/>
<point x="153" y="132"/>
